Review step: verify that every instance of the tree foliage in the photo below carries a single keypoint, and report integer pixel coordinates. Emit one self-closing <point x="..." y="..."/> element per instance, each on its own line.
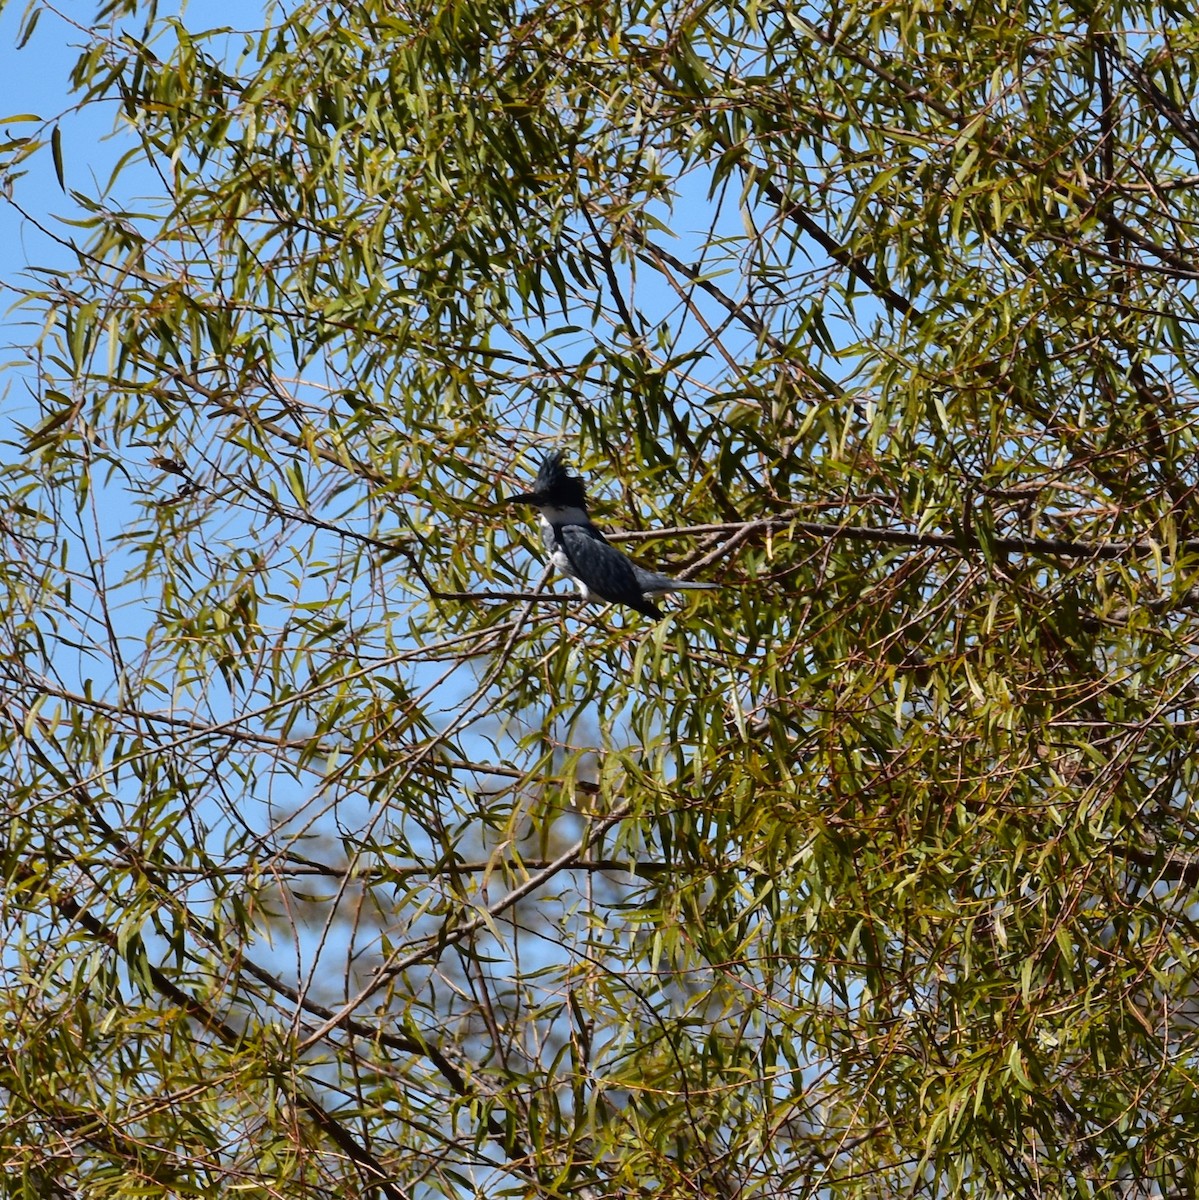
<point x="345" y="856"/>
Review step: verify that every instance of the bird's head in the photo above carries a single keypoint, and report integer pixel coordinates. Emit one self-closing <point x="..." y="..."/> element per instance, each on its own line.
<point x="555" y="488"/>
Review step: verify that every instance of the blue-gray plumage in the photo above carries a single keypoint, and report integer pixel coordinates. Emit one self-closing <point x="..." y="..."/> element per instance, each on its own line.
<point x="582" y="553"/>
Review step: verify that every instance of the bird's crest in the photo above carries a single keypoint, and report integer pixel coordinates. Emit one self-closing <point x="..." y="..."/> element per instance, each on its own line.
<point x="553" y="475"/>
<point x="556" y="485"/>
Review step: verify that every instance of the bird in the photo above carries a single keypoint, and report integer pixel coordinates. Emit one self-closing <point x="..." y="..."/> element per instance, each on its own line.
<point x="581" y="552"/>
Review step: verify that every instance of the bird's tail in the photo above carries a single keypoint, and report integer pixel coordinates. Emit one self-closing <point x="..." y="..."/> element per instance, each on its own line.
<point x="692" y="585"/>
<point x="654" y="583"/>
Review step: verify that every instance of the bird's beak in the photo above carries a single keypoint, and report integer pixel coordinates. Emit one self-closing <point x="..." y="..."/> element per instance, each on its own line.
<point x="525" y="498"/>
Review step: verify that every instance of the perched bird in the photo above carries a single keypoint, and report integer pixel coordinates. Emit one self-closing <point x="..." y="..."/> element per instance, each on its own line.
<point x="578" y="549"/>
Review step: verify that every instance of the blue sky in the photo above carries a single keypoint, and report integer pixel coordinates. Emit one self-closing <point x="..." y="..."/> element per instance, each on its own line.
<point x="35" y="80"/>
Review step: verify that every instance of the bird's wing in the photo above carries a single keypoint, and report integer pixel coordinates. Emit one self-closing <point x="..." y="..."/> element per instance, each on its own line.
<point x="605" y="571"/>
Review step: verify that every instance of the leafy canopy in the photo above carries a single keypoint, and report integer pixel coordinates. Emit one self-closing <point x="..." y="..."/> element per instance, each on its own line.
<point x="345" y="857"/>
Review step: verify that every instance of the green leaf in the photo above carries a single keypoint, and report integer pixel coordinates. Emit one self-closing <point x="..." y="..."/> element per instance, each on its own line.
<point x="56" y="152"/>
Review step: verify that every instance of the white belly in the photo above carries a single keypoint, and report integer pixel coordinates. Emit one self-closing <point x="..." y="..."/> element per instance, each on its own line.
<point x="559" y="558"/>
